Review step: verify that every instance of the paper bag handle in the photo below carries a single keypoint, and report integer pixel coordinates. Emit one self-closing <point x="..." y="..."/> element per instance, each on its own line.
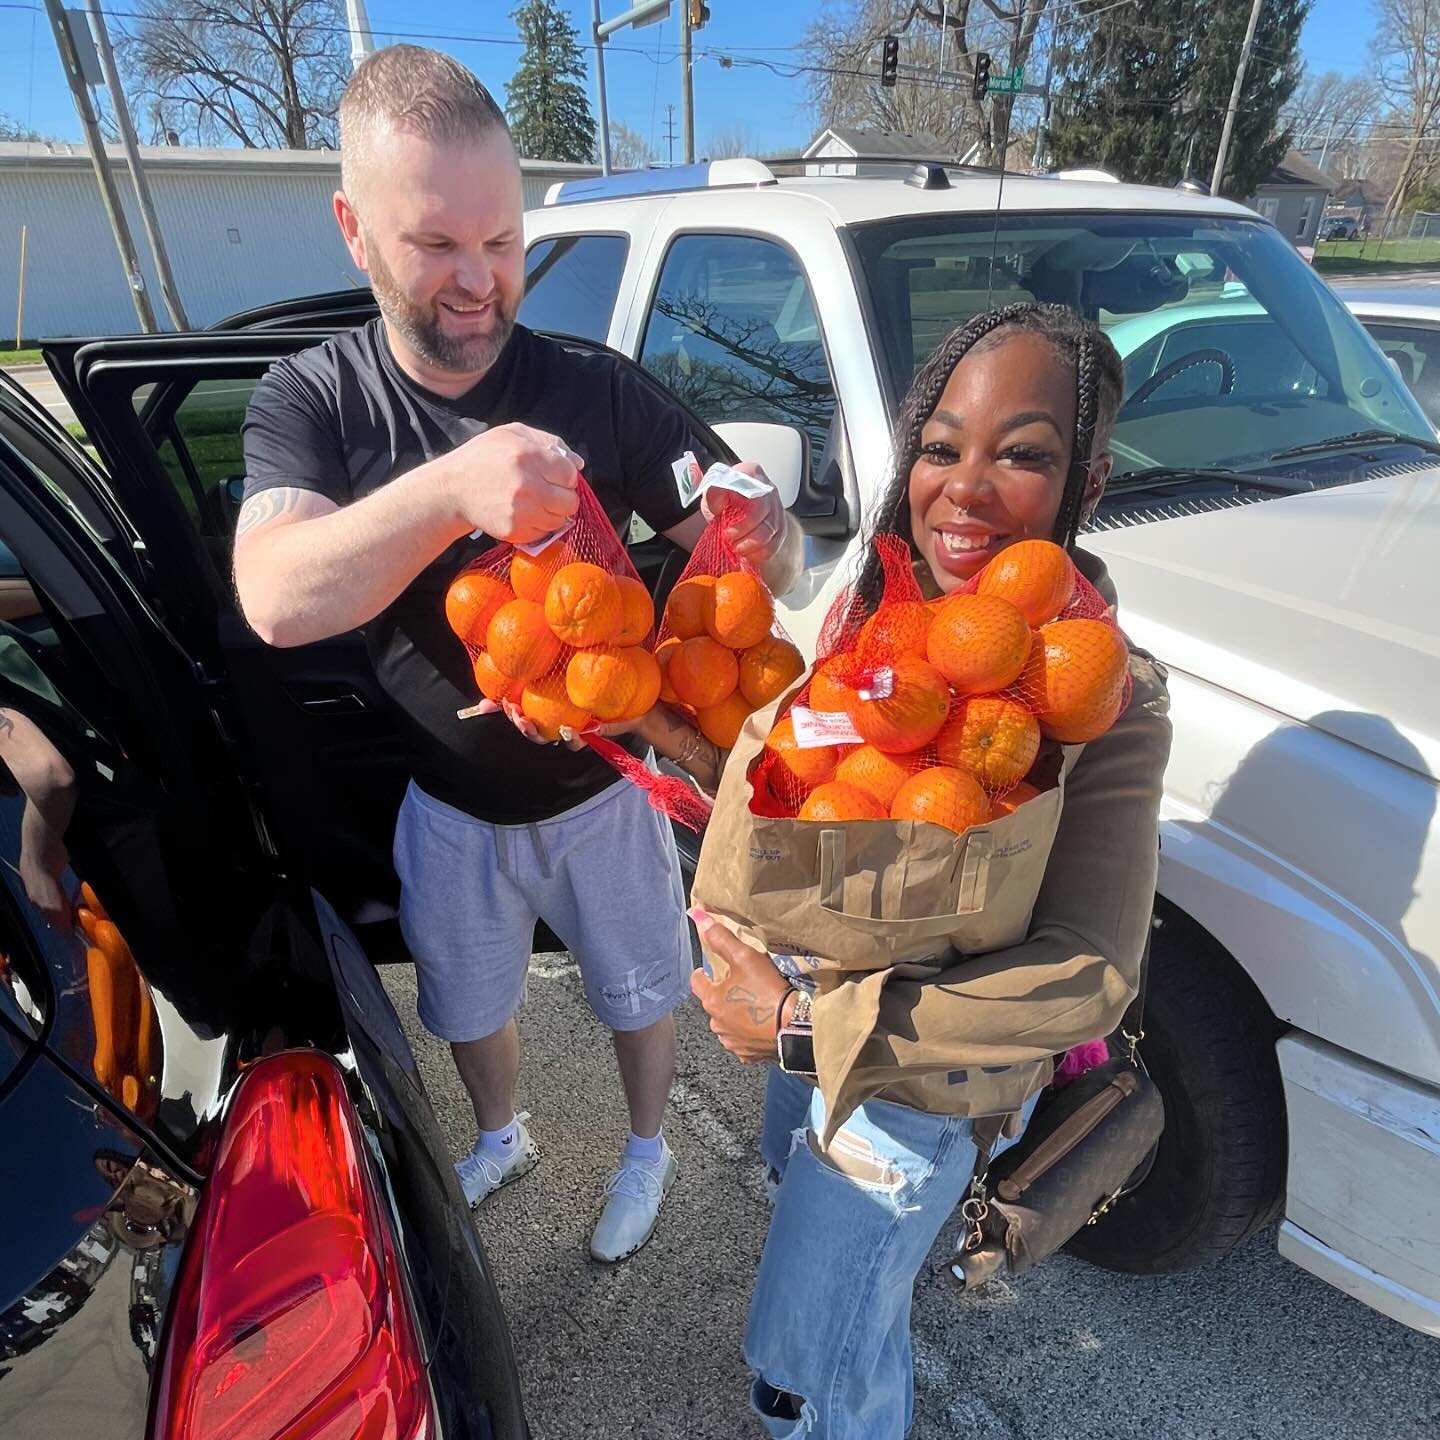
<point x="969" y="899"/>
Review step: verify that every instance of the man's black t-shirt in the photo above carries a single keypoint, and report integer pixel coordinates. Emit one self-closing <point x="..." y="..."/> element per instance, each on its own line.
<point x="342" y="419"/>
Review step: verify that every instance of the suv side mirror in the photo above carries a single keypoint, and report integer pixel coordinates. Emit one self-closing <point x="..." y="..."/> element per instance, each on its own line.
<point x="781" y="451"/>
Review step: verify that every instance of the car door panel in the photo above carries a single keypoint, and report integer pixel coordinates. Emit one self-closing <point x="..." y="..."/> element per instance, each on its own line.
<point x="323" y="747"/>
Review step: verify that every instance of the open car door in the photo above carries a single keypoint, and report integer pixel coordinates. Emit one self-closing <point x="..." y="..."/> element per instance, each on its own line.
<point x="322" y="752"/>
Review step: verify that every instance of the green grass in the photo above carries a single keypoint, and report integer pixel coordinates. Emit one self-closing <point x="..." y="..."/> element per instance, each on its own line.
<point x="28" y="354"/>
<point x="1376" y="257"/>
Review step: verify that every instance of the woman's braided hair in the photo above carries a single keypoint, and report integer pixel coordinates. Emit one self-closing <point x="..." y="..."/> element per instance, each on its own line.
<point x="1099" y="384"/>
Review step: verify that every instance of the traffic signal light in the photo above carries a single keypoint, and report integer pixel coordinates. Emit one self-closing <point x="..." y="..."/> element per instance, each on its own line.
<point x="982" y="74"/>
<point x="889" y="60"/>
<point x="699" y="13"/>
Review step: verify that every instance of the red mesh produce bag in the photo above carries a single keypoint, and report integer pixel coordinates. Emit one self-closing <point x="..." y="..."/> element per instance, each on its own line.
<point x="940" y="710"/>
<point x="562" y="629"/>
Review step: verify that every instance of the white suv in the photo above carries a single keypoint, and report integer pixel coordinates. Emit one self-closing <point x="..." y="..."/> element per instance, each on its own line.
<point x="1293" y="1019"/>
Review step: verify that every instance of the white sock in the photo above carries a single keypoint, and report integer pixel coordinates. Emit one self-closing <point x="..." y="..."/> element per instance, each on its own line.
<point x="637" y="1147"/>
<point x="501" y="1142"/>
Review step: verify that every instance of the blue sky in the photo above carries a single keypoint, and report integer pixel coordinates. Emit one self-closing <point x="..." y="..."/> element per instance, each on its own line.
<point x="642" y="67"/>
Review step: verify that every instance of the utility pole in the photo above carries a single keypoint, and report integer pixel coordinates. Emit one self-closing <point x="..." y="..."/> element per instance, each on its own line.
<point x="75" y="78"/>
<point x="1235" y="90"/>
<point x="1042" y="131"/>
<point x="687" y="83"/>
<point x="645" y="12"/>
<point x="169" y="291"/>
<point x="362" y="42"/>
<point x="1325" y="148"/>
<point x="670" y="133"/>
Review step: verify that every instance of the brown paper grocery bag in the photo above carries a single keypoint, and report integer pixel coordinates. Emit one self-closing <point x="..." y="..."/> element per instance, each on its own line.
<point x="868" y="894"/>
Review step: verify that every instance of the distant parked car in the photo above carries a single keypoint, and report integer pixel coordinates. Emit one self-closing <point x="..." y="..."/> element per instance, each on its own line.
<point x="1339" y="227"/>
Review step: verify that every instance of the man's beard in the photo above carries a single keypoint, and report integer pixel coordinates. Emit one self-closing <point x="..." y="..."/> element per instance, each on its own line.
<point x="422" y="329"/>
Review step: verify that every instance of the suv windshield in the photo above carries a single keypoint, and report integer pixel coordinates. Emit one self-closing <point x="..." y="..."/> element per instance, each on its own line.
<point x="1234" y="348"/>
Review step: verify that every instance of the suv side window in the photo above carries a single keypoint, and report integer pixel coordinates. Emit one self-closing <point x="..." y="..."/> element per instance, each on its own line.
<point x="571" y="282"/>
<point x="733" y="331"/>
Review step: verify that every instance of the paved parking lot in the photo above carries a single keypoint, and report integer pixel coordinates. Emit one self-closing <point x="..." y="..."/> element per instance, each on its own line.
<point x="1252" y="1348"/>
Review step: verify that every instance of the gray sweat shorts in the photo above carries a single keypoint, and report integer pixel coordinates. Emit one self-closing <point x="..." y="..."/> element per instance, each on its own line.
<point x="604" y="876"/>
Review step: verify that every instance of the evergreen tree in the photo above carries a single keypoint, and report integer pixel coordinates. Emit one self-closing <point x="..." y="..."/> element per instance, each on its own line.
<point x="547" y="104"/>
<point x="1142" y="97"/>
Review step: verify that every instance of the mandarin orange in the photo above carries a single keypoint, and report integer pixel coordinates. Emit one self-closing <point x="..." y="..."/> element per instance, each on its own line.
<point x="768" y="668"/>
<point x="520" y="643"/>
<point x="741" y="610"/>
<point x="688" y="608"/>
<point x="800" y="767"/>
<point x="602" y="681"/>
<point x="991" y="737"/>
<point x="1012" y="800"/>
<point x="637" y="609"/>
<point x="530" y="575"/>
<point x="943" y="796"/>
<point x="879" y="773"/>
<point x="896" y="629"/>
<point x="978" y="642"/>
<point x="583" y="605"/>
<point x="494" y="683"/>
<point x="837" y="801"/>
<point x="1036" y="576"/>
<point x="721" y="723"/>
<point x="471" y="602"/>
<point x="909" y="705"/>
<point x="1075" y="678"/>
<point x="702" y="672"/>
<point x="663" y="652"/>
<point x="547" y="705"/>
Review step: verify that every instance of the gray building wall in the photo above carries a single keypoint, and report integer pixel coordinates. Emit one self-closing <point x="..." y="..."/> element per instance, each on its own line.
<point x="242" y="228"/>
<point x="1289" y="210"/>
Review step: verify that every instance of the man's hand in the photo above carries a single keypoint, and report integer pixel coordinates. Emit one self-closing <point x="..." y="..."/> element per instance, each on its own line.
<point x="755" y="525"/>
<point x="745" y="997"/>
<point x="514" y="483"/>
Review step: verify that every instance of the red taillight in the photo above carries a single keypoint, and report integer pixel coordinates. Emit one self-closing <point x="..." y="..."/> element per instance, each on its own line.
<point x="289" y="1319"/>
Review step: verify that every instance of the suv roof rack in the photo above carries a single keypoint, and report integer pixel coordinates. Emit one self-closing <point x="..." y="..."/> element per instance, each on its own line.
<point x="708" y="175"/>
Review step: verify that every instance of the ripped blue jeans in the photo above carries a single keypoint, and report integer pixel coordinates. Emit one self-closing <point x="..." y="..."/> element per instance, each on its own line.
<point x="829" y="1328"/>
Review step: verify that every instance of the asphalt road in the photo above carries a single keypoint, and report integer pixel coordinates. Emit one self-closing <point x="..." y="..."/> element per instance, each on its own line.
<point x="1251" y="1348"/>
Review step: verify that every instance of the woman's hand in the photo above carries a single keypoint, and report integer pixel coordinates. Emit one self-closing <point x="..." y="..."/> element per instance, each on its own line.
<point x="754" y="525"/>
<point x="745" y="998"/>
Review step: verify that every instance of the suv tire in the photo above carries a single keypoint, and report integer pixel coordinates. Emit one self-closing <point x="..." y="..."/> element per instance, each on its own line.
<point x="1218" y="1172"/>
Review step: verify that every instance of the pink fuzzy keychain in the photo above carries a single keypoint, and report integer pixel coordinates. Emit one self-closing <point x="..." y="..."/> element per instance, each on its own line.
<point x="1078" y="1060"/>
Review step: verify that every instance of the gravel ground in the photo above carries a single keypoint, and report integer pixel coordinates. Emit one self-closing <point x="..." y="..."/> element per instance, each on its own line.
<point x="1254" y="1347"/>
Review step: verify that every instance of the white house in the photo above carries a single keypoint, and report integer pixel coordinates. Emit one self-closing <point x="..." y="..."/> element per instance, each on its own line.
<point x="842" y="150"/>
<point x="242" y="227"/>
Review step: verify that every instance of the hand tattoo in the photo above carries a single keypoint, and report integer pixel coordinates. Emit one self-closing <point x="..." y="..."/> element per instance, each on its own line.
<point x="756" y="1008"/>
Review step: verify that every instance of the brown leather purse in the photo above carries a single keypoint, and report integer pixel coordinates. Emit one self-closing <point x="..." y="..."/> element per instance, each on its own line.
<point x="1082" y="1149"/>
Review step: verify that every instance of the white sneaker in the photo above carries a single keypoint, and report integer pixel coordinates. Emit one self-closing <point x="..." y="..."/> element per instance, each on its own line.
<point x="482" y="1174"/>
<point x="635" y="1191"/>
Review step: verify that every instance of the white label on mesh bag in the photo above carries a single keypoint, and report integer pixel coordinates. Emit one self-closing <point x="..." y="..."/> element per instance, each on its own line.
<point x="737" y="482"/>
<point x="880" y="685"/>
<point x="814" y="728"/>
<point x="536" y="546"/>
<point x="688" y="478"/>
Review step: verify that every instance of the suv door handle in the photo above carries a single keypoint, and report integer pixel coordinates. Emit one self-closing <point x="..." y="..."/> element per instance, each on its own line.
<point x="341" y="702"/>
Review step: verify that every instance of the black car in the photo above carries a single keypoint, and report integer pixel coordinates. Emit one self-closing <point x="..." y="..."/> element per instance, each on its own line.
<point x="227" y="1206"/>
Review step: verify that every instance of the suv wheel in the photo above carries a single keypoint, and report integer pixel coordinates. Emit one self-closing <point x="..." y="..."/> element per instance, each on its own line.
<point x="1218" y="1172"/>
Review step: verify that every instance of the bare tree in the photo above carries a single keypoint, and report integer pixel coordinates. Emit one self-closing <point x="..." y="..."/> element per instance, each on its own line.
<point x="842" y="48"/>
<point x="265" y="74"/>
<point x="629" y="150"/>
<point x="1407" y="50"/>
<point x="1332" y="110"/>
<point x="730" y="141"/>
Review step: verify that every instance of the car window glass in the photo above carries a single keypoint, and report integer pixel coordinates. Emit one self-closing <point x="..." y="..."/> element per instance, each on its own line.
<point x="1414" y="350"/>
<point x="733" y="331"/>
<point x="1233" y="348"/>
<point x="195" y="429"/>
<point x="571" y="282"/>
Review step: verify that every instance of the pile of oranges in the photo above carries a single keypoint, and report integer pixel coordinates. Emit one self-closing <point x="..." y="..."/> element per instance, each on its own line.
<point x="951" y="699"/>
<point x="720" y="660"/>
<point x="559" y="637"/>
